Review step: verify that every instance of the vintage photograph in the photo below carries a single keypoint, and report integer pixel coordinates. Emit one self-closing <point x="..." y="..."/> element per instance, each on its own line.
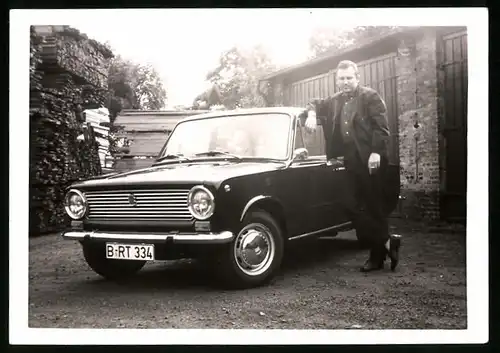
<point x="240" y="176"/>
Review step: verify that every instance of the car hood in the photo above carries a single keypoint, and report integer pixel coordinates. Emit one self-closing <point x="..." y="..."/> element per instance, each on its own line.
<point x="213" y="172"/>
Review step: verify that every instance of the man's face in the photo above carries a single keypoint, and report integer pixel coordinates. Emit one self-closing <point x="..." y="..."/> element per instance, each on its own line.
<point x="347" y="80"/>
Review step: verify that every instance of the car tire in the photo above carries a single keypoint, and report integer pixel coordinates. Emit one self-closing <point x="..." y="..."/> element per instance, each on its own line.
<point x="111" y="269"/>
<point x="265" y="231"/>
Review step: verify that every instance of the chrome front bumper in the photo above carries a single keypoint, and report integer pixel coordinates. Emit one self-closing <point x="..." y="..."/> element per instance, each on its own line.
<point x="178" y="238"/>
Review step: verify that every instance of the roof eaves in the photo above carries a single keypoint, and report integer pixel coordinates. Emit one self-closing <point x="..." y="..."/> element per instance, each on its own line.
<point x="126" y="112"/>
<point x="333" y="54"/>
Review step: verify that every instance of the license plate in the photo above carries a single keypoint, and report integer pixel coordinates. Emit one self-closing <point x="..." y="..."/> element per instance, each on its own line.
<point x="130" y="251"/>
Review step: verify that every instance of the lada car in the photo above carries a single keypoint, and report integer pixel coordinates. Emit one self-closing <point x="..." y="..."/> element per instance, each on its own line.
<point x="232" y="188"/>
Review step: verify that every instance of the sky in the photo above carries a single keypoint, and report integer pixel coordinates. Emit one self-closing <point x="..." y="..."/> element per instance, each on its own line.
<point x="184" y="45"/>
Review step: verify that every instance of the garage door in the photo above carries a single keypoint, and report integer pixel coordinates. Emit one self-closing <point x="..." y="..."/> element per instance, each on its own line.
<point x="454" y="66"/>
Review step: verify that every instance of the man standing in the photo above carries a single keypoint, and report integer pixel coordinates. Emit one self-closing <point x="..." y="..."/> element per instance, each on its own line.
<point x="356" y="127"/>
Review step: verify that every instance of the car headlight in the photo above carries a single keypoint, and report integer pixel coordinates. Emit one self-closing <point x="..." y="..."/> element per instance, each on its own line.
<point x="201" y="202"/>
<point x="75" y="204"/>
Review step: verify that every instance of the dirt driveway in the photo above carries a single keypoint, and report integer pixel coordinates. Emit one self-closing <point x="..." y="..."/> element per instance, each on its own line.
<point x="320" y="287"/>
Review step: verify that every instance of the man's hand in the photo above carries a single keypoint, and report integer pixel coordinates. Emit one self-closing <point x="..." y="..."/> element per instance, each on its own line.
<point x="311" y="121"/>
<point x="373" y="162"/>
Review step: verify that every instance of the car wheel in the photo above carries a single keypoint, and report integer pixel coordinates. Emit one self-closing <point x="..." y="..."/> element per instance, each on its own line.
<point x="112" y="269"/>
<point x="256" y="253"/>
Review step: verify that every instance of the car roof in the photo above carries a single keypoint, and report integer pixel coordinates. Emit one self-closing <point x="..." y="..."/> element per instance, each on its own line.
<point x="246" y="111"/>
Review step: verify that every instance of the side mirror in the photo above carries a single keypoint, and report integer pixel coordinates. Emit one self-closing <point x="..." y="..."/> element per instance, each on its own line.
<point x="300" y="154"/>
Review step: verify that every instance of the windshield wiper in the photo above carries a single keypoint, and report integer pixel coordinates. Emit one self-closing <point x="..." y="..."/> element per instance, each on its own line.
<point x="217" y="153"/>
<point x="173" y="156"/>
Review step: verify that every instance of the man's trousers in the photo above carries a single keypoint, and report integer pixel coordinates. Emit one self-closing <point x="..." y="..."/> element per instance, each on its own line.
<point x="366" y="204"/>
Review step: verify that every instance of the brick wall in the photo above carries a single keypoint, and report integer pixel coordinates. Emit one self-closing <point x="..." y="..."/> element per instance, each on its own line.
<point x="418" y="128"/>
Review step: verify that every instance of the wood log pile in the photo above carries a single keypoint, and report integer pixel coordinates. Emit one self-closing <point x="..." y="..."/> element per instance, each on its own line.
<point x="67" y="49"/>
<point x="58" y="96"/>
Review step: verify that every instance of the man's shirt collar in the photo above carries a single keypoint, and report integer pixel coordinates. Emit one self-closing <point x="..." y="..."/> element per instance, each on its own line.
<point x="352" y="94"/>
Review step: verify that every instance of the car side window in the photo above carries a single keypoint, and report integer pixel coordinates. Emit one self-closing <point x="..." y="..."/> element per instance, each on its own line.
<point x="299" y="140"/>
<point x="315" y="141"/>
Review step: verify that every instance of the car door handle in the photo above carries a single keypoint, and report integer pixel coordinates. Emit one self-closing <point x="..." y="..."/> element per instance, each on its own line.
<point x="335" y="164"/>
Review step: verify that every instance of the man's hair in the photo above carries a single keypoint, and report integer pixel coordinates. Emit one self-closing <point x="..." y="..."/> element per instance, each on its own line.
<point x="345" y="64"/>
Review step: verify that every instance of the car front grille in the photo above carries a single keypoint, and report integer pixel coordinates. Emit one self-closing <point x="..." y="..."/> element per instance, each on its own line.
<point x="140" y="205"/>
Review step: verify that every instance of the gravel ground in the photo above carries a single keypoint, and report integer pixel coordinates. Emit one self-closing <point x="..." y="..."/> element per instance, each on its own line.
<point x="319" y="286"/>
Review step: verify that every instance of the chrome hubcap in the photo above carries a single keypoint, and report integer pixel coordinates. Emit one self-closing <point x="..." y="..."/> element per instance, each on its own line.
<point x="254" y="249"/>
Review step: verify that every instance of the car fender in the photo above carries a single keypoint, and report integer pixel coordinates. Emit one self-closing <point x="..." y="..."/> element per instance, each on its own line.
<point x="251" y="202"/>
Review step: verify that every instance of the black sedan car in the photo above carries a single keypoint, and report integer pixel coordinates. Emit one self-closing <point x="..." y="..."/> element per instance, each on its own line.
<point x="229" y="187"/>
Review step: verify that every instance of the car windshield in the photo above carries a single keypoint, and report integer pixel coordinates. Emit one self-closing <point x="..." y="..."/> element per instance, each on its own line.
<point x="246" y="136"/>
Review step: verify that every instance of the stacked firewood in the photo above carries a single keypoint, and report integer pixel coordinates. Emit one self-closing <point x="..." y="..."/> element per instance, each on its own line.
<point x="52" y="162"/>
<point x="58" y="158"/>
<point x="73" y="52"/>
<point x="62" y="148"/>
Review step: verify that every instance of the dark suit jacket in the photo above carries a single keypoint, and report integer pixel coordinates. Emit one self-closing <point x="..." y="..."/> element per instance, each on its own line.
<point x="368" y="123"/>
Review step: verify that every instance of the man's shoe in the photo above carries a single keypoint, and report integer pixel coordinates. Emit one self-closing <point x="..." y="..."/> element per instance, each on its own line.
<point x="394" y="245"/>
